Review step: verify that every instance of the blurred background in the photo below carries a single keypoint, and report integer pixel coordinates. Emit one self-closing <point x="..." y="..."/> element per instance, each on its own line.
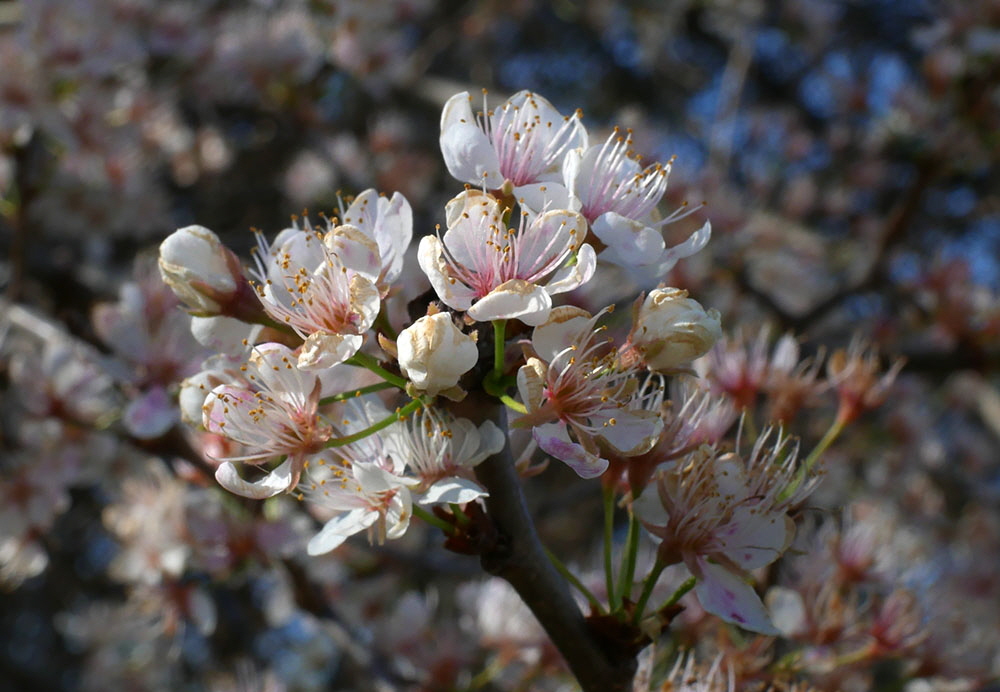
<point x="847" y="152"/>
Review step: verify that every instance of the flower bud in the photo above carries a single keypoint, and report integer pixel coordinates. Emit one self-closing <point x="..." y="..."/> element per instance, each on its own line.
<point x="200" y="270"/>
<point x="671" y="329"/>
<point x="434" y="353"/>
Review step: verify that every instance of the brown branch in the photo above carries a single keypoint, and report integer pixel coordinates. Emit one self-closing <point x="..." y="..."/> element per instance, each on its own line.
<point x="517" y="555"/>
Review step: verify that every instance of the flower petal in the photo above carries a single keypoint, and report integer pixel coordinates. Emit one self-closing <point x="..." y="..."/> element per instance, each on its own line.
<point x="452" y="490"/>
<point x="514" y="299"/>
<point x="338" y="529"/>
<point x="554" y="439"/>
<point x="726" y="595"/>
<point x="277" y="481"/>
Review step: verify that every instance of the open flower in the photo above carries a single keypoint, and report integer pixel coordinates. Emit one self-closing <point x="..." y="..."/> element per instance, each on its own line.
<point x="578" y="395"/>
<point x="522" y="141"/>
<point x="494" y="272"/>
<point x="722" y="517"/>
<point x="274" y="413"/>
<point x="441" y="450"/>
<point x="619" y="200"/>
<point x="322" y="285"/>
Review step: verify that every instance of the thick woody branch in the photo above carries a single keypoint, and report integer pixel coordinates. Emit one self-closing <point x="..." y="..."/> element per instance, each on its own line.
<point x="519" y="557"/>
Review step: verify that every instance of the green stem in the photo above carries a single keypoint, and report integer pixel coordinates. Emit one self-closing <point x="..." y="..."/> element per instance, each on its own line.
<point x="433" y="520"/>
<point x="647" y="589"/>
<point x="513" y="404"/>
<point x="461" y="517"/>
<point x="363" y="360"/>
<point x="679" y="593"/>
<point x="831" y="434"/>
<point x="575" y="581"/>
<point x="627" y="572"/>
<point x="382" y="323"/>
<point x="609" y="530"/>
<point x="381" y="425"/>
<point x="499" y="341"/>
<point x="361" y="391"/>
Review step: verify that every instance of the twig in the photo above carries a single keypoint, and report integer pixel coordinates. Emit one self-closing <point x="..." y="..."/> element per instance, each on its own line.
<point x="519" y="557"/>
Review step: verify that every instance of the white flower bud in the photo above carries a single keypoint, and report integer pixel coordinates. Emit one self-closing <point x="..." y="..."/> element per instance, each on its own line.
<point x="671" y="329"/>
<point x="199" y="269"/>
<point x="434" y="353"/>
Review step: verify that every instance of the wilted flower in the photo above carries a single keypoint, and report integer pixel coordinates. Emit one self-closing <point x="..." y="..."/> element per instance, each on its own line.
<point x="492" y="272"/>
<point x="523" y="141"/>
<point x="577" y="386"/>
<point x="670" y="329"/>
<point x="722" y="517"/>
<point x="433" y="353"/>
<point x="200" y="270"/>
<point x="855" y="373"/>
<point x="322" y="285"/>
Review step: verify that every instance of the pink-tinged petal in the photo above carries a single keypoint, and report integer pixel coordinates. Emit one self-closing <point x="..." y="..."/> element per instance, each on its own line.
<point x="629" y="432"/>
<point x="572" y="276"/>
<point x="322" y="350"/>
<point x="452" y="490"/>
<point x="215" y="411"/>
<point x="277" y="481"/>
<point x="467" y="151"/>
<point x="537" y="198"/>
<point x="514" y="299"/>
<point x="452" y="293"/>
<point x="564" y="327"/>
<point x="695" y="242"/>
<point x="629" y="242"/>
<point x="554" y="439"/>
<point x="726" y="595"/>
<point x="355" y="250"/>
<point x="754" y="539"/>
<point x="150" y="415"/>
<point x="531" y="383"/>
<point x="339" y="529"/>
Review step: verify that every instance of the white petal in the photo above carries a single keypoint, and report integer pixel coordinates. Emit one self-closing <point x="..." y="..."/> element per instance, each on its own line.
<point x="573" y="276"/>
<point x="554" y="439"/>
<point x="514" y="299"/>
<point x="452" y="490"/>
<point x="649" y="508"/>
<point x="629" y="241"/>
<point x="338" y="529"/>
<point x="355" y="250"/>
<point x="564" y="327"/>
<point x="455" y="294"/>
<point x="695" y="242"/>
<point x="726" y="595"/>
<point x="467" y="151"/>
<point x="753" y="540"/>
<point x="633" y="432"/>
<point x="277" y="481"/>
